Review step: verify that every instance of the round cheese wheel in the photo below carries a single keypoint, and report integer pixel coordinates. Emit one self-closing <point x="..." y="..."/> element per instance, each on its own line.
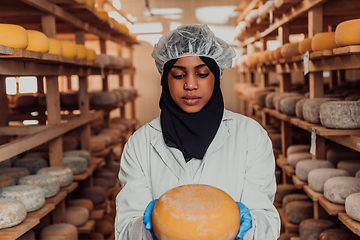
<point x="310" y="229"/>
<point x="29" y="235"/>
<point x="82" y="52"/>
<point x="14" y="172"/>
<point x="277" y="54"/>
<point x="340" y="115"/>
<point x="347" y="33"/>
<point x="64" y="174"/>
<point x="311" y="108"/>
<point x="69" y="49"/>
<point x="91" y="55"/>
<point x="290" y="49"/>
<point x="294" y="158"/>
<point x="31" y="163"/>
<point x="352" y="206"/>
<point x="37" y="41"/>
<point x="48" y="183"/>
<point x="55" y="46"/>
<point x="260" y="98"/>
<point x="297" y="148"/>
<point x="113" y="133"/>
<point x="351" y="166"/>
<point x="283" y="190"/>
<point x="97" y="143"/>
<point x="294" y="197"/>
<point x="318" y="177"/>
<point x="288" y="104"/>
<point x="101" y="182"/>
<point x="108" y="175"/>
<point x="357" y="175"/>
<point x="305" y="46"/>
<point x="104" y="99"/>
<point x="76" y="216"/>
<point x="269" y="99"/>
<point x="299" y="108"/>
<point x="25" y="100"/>
<point x="297" y="211"/>
<point x="279" y="97"/>
<point x="95" y="194"/>
<point x="336" y="189"/>
<point x="12" y="35"/>
<point x="32" y="196"/>
<point x="305" y="166"/>
<point x="5" y="164"/>
<point x="59" y="231"/>
<point x="195" y="212"/>
<point x="77" y="165"/>
<point x="81" y="202"/>
<point x="6" y="181"/>
<point x="78" y="153"/>
<point x="323" y="41"/>
<point x="12" y="212"/>
<point x="336" y="154"/>
<point x="337" y="234"/>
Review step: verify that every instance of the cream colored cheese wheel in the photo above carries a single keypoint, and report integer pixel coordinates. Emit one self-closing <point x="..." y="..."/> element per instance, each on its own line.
<point x="305" y="166"/>
<point x="280" y="96"/>
<point x="78" y="153"/>
<point x="12" y="212"/>
<point x="317" y="177"/>
<point x="12" y="35"/>
<point x="55" y="46"/>
<point x="82" y="52"/>
<point x="76" y="216"/>
<point x="340" y="115"/>
<point x="323" y="41"/>
<point x="311" y="108"/>
<point x="32" y="196"/>
<point x="37" y="41"/>
<point x="290" y="50"/>
<point x="91" y="55"/>
<point x="48" y="183"/>
<point x="31" y="163"/>
<point x="305" y="46"/>
<point x="337" y="189"/>
<point x="14" y="172"/>
<point x="295" y="197"/>
<point x="81" y="202"/>
<point x="6" y="182"/>
<point x="352" y="206"/>
<point x="299" y="108"/>
<point x="310" y="229"/>
<point x="297" y="148"/>
<point x="195" y="211"/>
<point x="288" y="104"/>
<point x="64" y="174"/>
<point x="297" y="211"/>
<point x="348" y="33"/>
<point x="351" y="166"/>
<point x="59" y="231"/>
<point x="69" y="49"/>
<point x="294" y="158"/>
<point x="77" y="165"/>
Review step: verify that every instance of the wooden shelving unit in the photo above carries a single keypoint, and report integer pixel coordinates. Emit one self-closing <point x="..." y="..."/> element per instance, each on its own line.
<point x="292" y="18"/>
<point x="68" y="19"/>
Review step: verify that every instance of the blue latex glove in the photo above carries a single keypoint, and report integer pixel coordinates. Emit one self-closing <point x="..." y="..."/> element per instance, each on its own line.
<point x="147" y="218"/>
<point x="245" y="220"/>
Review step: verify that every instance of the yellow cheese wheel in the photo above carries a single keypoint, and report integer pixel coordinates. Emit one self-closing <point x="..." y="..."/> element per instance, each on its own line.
<point x="195" y="211"/>
<point x="323" y="41"/>
<point x="69" y="49"/>
<point x="37" y="41"/>
<point x="290" y="50"/>
<point x="13" y="36"/>
<point x="348" y="33"/>
<point x="55" y="46"/>
<point x="82" y="52"/>
<point x="91" y="54"/>
<point x="305" y="46"/>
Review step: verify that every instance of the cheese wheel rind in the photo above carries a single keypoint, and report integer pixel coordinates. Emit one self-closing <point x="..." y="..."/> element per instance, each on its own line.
<point x="31" y="163"/>
<point x="323" y="41"/>
<point x="59" y="231"/>
<point x="77" y="165"/>
<point x="310" y="229"/>
<point x="352" y="206"/>
<point x="340" y="114"/>
<point x="12" y="212"/>
<point x="348" y="33"/>
<point x="305" y="46"/>
<point x="304" y="167"/>
<point x="12" y="35"/>
<point x="6" y="181"/>
<point x="37" y="41"/>
<point x="14" y="172"/>
<point x="64" y="174"/>
<point x="78" y="153"/>
<point x="317" y="177"/>
<point x="55" y="46"/>
<point x="69" y="49"/>
<point x="48" y="183"/>
<point x="76" y="215"/>
<point x="336" y="189"/>
<point x="290" y="50"/>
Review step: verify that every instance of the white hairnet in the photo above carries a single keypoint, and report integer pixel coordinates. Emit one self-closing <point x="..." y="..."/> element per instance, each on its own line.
<point x="192" y="40"/>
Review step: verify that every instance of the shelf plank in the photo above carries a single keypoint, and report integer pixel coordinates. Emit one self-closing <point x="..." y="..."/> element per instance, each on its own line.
<point x="289" y="170"/>
<point x="352" y="142"/>
<point x="298" y="183"/>
<point x="346" y="50"/>
<point x="288" y="226"/>
<point x="21" y="130"/>
<point x="87" y="227"/>
<point x="57" y="198"/>
<point x="315" y="196"/>
<point x="86" y="174"/>
<point x="353" y="225"/>
<point x="16" y="231"/>
<point x="332" y="209"/>
<point x="71" y="187"/>
<point x="325" y="132"/>
<point x="321" y="54"/>
<point x="282" y="161"/>
<point x="97" y="214"/>
<point x="42" y="212"/>
<point x="5" y="50"/>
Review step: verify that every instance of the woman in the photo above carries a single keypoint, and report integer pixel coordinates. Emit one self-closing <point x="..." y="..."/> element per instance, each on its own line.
<point x="195" y="140"/>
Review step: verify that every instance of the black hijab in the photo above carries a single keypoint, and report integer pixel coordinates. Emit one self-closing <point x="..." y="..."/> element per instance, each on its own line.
<point x="191" y="133"/>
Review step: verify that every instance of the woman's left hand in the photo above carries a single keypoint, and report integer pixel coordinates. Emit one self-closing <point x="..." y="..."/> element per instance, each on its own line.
<point x="245" y="220"/>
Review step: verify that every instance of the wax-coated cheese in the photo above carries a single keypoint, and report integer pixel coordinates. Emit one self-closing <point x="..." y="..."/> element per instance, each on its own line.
<point x="81" y="51"/>
<point x="55" y="46"/>
<point x="50" y="184"/>
<point x="310" y="229"/>
<point x="336" y="189"/>
<point x="352" y="206"/>
<point x="348" y="33"/>
<point x="59" y="231"/>
<point x="31" y="163"/>
<point x="318" y="177"/>
<point x="37" y="41"/>
<point x="64" y="174"/>
<point x="12" y="212"/>
<point x="305" y="46"/>
<point x="195" y="211"/>
<point x="12" y="35"/>
<point x="323" y="41"/>
<point x="69" y="49"/>
<point x="14" y="172"/>
<point x="77" y="165"/>
<point x="305" y="166"/>
<point x="76" y="216"/>
<point x="32" y="196"/>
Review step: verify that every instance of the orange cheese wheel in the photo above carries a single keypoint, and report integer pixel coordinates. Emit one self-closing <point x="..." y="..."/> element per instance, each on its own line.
<point x="323" y="41"/>
<point x="305" y="46"/>
<point x="348" y="33"/>
<point x="13" y="36"/>
<point x="195" y="211"/>
<point x="290" y="49"/>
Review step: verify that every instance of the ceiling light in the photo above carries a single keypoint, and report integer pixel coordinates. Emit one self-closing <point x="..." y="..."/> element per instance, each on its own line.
<point x="150" y="38"/>
<point x="117" y="4"/>
<point x="216" y="14"/>
<point x="145" y="28"/>
<point x="166" y="11"/>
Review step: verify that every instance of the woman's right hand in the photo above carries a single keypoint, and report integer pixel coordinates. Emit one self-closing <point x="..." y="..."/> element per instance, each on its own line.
<point x="147" y="218"/>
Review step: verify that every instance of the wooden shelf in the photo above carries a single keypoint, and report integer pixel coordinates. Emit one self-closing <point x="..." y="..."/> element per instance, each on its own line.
<point x="42" y="212"/>
<point x="71" y="187"/>
<point x="298" y="183"/>
<point x="87" y="227"/>
<point x="288" y="226"/>
<point x="5" y="50"/>
<point x="289" y="170"/>
<point x="353" y="225"/>
<point x="282" y="161"/>
<point x="86" y="174"/>
<point x="332" y="209"/>
<point x="97" y="214"/>
<point x="315" y="196"/>
<point x="16" y="231"/>
<point x="57" y="198"/>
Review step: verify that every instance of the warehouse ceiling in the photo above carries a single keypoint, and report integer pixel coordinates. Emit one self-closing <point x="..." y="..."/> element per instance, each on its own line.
<point x="155" y="17"/>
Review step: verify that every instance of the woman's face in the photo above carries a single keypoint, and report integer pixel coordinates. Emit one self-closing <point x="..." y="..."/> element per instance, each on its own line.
<point x="191" y="83"/>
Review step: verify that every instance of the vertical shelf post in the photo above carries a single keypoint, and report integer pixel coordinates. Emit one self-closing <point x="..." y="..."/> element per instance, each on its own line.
<point x="4" y="108"/>
<point x="84" y="109"/>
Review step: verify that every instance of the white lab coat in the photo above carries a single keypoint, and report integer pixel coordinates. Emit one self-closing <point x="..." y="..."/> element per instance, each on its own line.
<point x="239" y="161"/>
